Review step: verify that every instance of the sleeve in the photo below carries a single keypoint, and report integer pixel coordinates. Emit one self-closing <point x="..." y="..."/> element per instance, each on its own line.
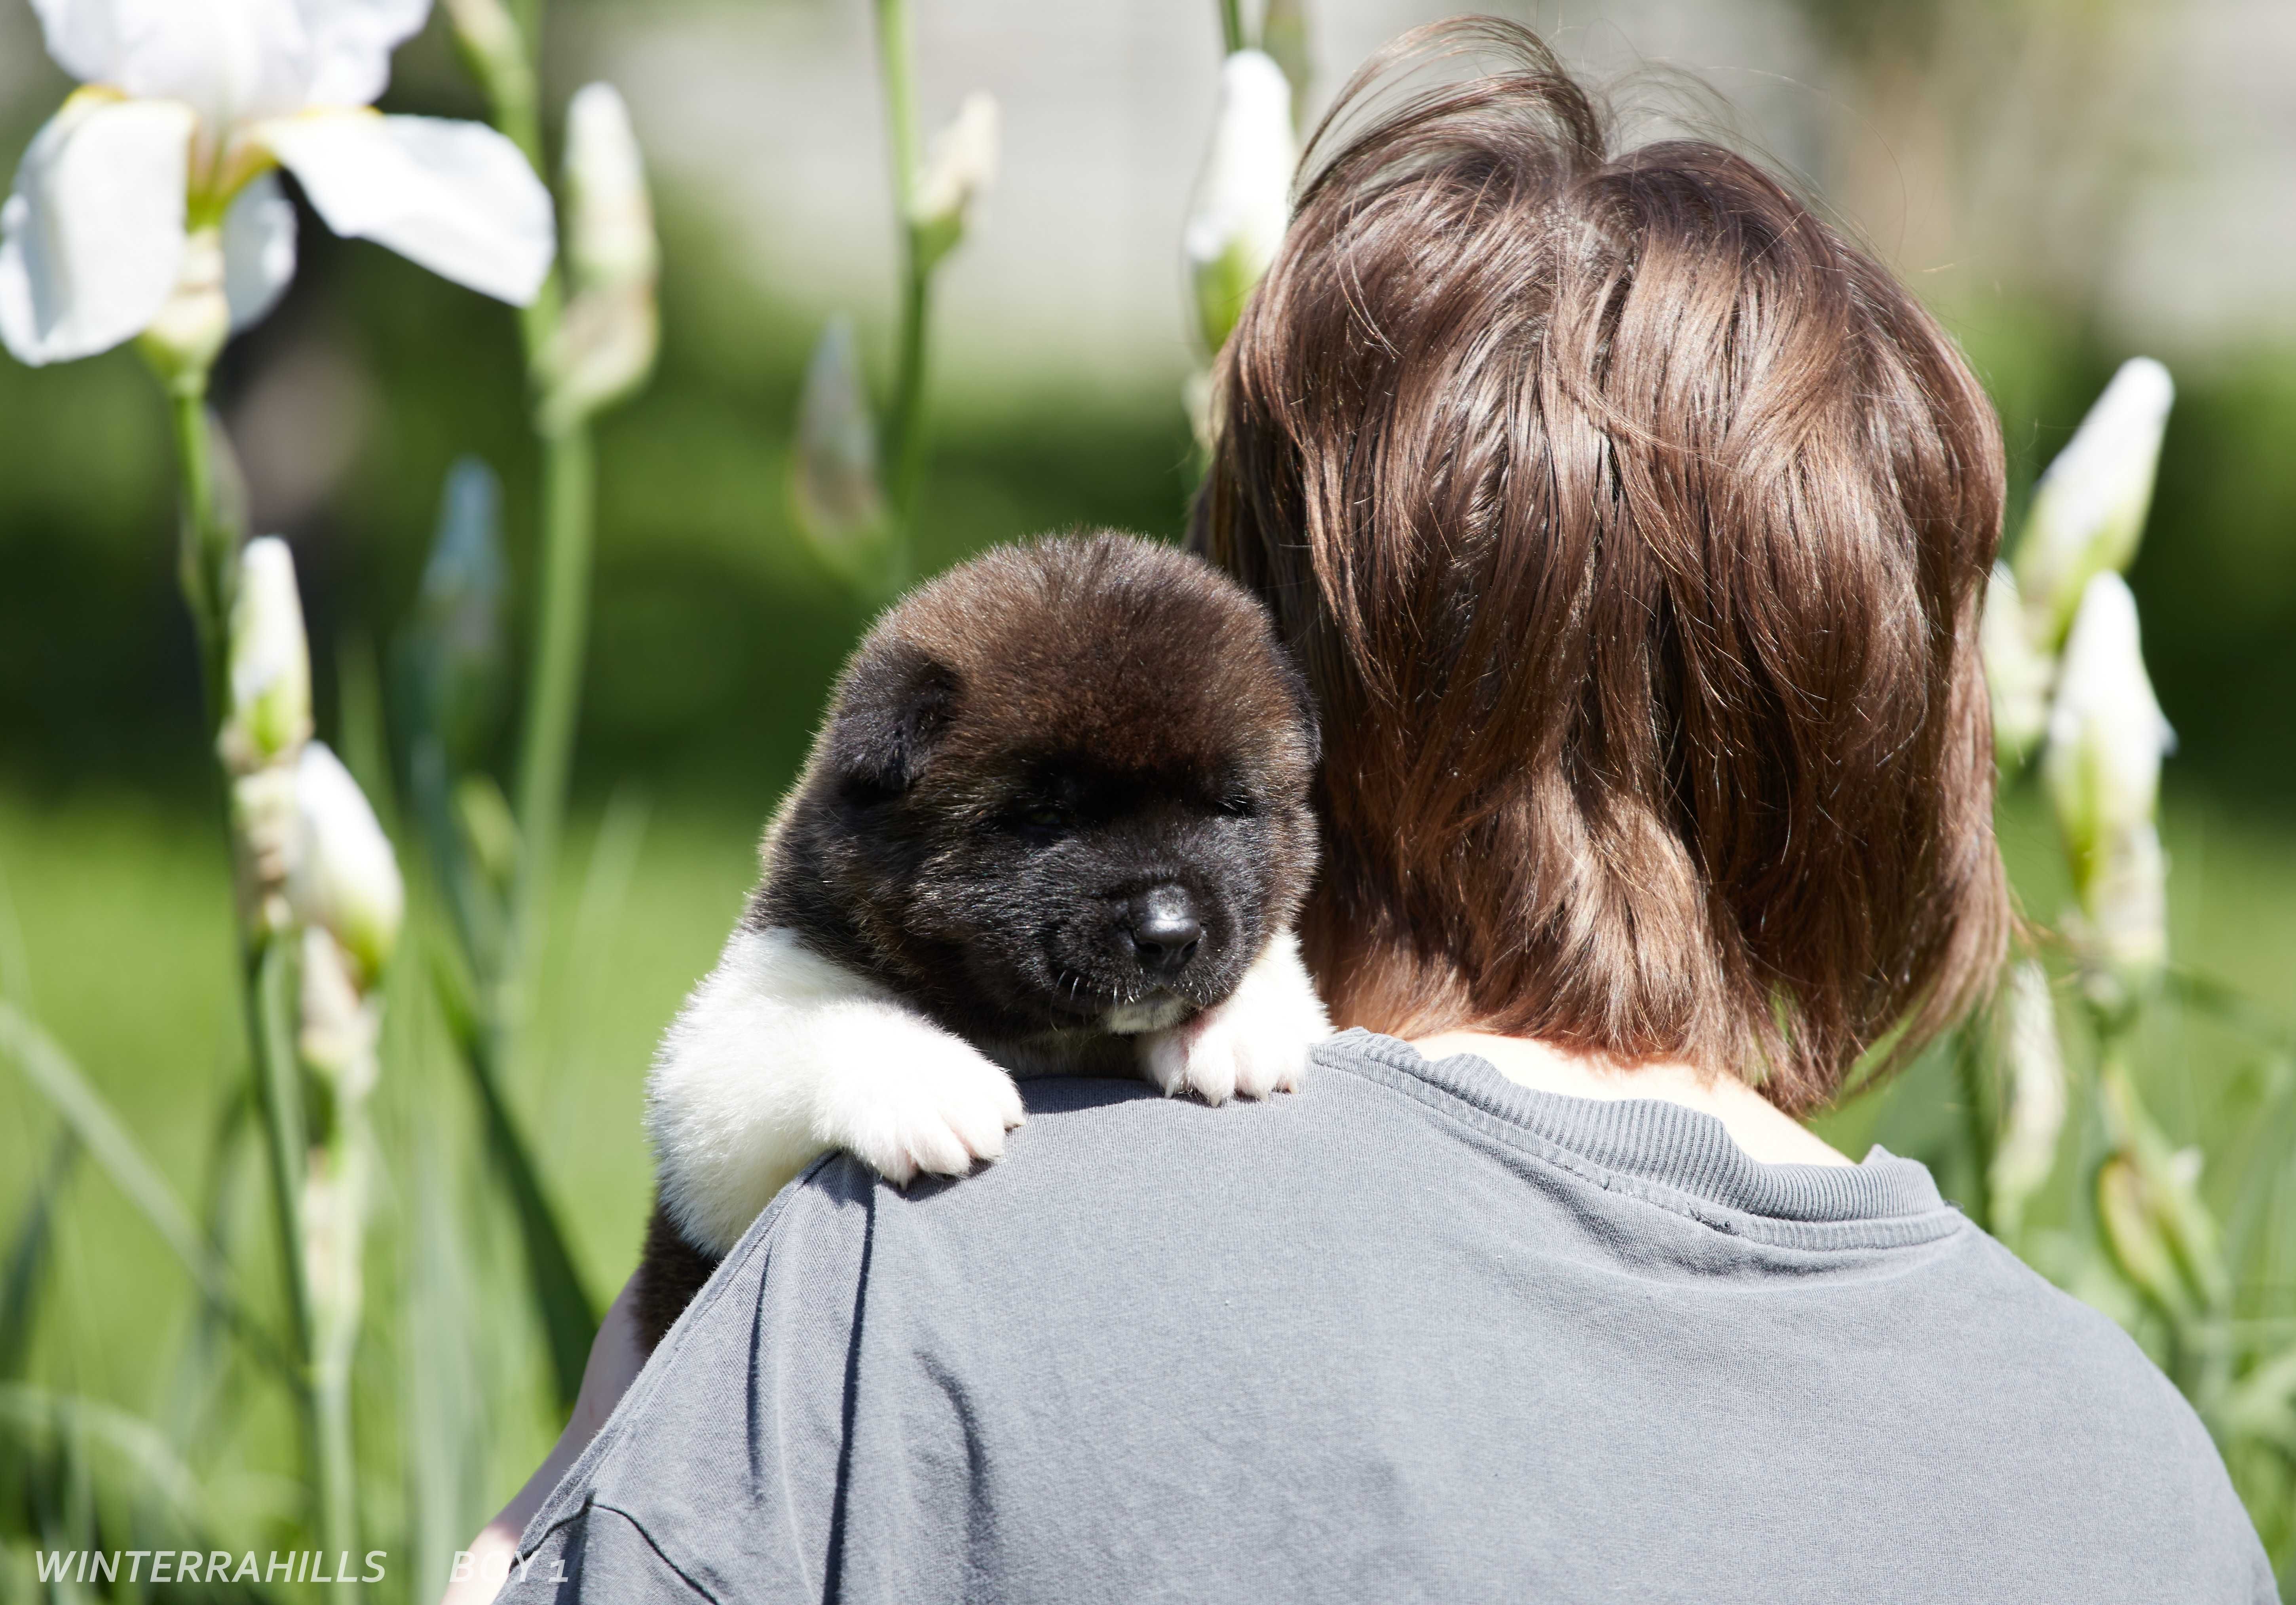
<point x="718" y="1475"/>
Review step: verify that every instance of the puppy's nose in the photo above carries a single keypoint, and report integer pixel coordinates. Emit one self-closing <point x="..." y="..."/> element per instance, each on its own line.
<point x="1163" y="930"/>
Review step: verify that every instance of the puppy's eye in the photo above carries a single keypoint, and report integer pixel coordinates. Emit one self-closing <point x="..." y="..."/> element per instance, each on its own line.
<point x="1240" y="805"/>
<point x="1045" y="817"/>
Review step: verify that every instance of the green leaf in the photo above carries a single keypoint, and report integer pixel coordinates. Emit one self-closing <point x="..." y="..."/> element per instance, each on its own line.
<point x="359" y="739"/>
<point x="35" y="1420"/>
<point x="2264" y="1168"/>
<point x="563" y="1306"/>
<point x="2134" y="1231"/>
<point x="2263" y="1403"/>
<point x="81" y="1474"/>
<point x="2144" y="1193"/>
<point x="2231" y="1008"/>
<point x="28" y="1259"/>
<point x="200" y="1391"/>
<point x="444" y="1409"/>
<point x="50" y="1070"/>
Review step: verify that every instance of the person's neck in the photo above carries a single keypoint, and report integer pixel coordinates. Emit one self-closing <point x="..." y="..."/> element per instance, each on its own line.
<point x="1752" y="1121"/>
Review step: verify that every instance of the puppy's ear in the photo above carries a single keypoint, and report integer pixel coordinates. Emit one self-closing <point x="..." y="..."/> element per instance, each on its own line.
<point x="1303" y="699"/>
<point x="896" y="705"/>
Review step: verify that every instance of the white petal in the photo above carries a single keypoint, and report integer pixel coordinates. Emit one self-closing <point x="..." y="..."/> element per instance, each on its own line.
<point x="269" y="667"/>
<point x="258" y="250"/>
<point x="962" y="165"/>
<point x="2017" y="672"/>
<point x="609" y="216"/>
<point x="83" y="36"/>
<point x="351" y="41"/>
<point x="1245" y="187"/>
<point x="456" y="197"/>
<point x="2107" y="734"/>
<point x="94" y="232"/>
<point x="2090" y="503"/>
<point x="343" y="874"/>
<point x="1243" y="201"/>
<point x="228" y="59"/>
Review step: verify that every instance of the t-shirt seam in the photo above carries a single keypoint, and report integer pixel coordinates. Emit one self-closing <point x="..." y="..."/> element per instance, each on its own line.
<point x="660" y="1553"/>
<point x="1866" y="1234"/>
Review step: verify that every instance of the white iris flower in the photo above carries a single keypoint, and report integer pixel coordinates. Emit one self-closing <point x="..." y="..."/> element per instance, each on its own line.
<point x="2089" y="504"/>
<point x="605" y="345"/>
<point x="2107" y="736"/>
<point x="270" y="661"/>
<point x="1243" y="198"/>
<point x="341" y="874"/>
<point x="956" y="173"/>
<point x="149" y="200"/>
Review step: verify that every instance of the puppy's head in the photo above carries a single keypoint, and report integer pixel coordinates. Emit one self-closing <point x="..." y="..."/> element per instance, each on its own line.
<point x="1063" y="787"/>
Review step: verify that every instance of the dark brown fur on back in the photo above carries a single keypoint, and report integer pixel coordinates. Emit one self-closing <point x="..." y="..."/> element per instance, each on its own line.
<point x="670" y="1272"/>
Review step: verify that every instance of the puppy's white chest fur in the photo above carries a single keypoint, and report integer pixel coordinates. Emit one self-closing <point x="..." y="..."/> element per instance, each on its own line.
<point x="780" y="1054"/>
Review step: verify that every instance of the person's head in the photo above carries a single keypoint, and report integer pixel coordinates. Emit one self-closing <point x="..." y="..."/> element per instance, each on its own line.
<point x="1631" y="527"/>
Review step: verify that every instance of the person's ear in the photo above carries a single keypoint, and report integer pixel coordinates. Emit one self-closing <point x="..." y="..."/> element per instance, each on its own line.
<point x="892" y="711"/>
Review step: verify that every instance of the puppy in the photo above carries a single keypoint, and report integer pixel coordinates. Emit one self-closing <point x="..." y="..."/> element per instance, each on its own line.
<point x="1057" y="820"/>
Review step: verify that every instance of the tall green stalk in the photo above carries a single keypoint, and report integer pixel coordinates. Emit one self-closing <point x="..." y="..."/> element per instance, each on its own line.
<point x="553" y="698"/>
<point x="500" y="44"/>
<point x="212" y="535"/>
<point x="906" y="422"/>
<point x="1232" y="34"/>
<point x="563" y="613"/>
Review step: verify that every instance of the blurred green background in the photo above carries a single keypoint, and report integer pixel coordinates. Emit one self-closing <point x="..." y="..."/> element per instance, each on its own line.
<point x="2066" y="184"/>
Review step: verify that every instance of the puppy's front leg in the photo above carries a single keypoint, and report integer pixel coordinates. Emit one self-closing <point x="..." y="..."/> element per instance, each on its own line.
<point x="780" y="1054"/>
<point x="1254" y="1044"/>
<point x="908" y="1096"/>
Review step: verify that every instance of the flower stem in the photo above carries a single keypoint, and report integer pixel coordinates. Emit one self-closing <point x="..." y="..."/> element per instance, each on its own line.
<point x="906" y="421"/>
<point x="509" y="982"/>
<point x="336" y="1312"/>
<point x="553" y="698"/>
<point x="554" y="689"/>
<point x="266" y="971"/>
<point x="909" y="421"/>
<point x="1232" y="24"/>
<point x="209" y="543"/>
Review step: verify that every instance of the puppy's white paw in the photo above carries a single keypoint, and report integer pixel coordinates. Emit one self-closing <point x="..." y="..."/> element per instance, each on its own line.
<point x="936" y="1107"/>
<point x="1217" y="1056"/>
<point x="1253" y="1045"/>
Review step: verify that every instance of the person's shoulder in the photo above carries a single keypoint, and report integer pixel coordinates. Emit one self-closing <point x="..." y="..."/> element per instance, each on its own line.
<point x="2028" y="1313"/>
<point x="2087" y="1369"/>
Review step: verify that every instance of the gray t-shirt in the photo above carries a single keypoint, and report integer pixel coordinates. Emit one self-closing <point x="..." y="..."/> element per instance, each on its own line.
<point x="1413" y="1333"/>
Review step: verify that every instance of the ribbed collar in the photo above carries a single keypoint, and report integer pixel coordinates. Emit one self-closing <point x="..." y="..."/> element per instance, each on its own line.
<point x="1677" y="1150"/>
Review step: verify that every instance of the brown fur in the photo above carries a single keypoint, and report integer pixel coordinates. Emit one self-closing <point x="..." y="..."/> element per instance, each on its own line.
<point x="670" y="1272"/>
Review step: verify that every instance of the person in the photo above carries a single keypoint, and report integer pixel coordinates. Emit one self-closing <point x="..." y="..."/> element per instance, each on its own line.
<point x="1631" y="527"/>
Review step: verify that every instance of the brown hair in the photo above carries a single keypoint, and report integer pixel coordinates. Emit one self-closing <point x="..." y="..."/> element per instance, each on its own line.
<point x="1631" y="526"/>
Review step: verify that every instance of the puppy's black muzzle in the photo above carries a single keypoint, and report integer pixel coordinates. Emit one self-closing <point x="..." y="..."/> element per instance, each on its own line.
<point x="1161" y="928"/>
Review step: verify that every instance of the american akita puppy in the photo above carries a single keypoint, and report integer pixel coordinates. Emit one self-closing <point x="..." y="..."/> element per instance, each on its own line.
<point x="1057" y="819"/>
